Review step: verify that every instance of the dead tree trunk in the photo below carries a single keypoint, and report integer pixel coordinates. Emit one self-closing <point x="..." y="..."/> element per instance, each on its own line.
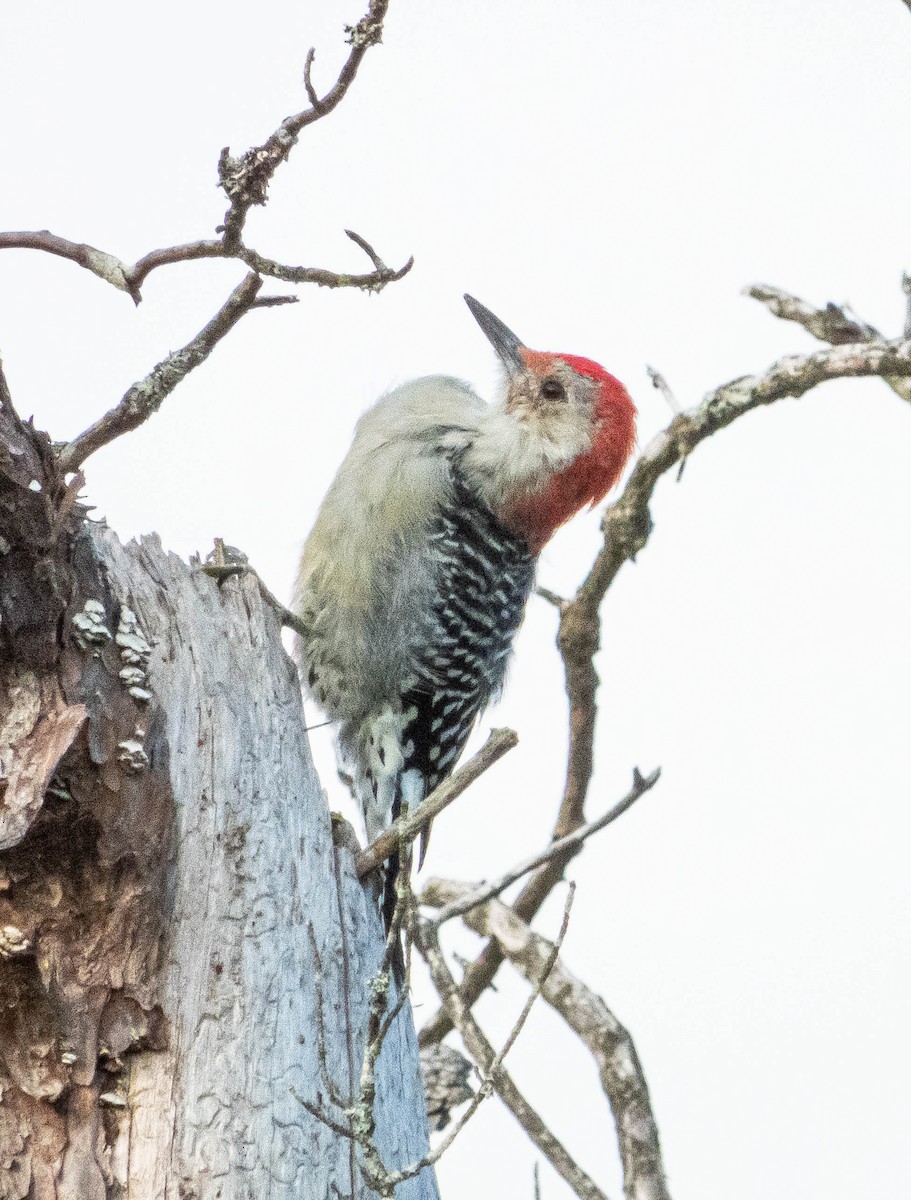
<point x="185" y="951"/>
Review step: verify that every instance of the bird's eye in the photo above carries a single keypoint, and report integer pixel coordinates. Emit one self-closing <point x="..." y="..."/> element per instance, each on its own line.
<point x="553" y="389"/>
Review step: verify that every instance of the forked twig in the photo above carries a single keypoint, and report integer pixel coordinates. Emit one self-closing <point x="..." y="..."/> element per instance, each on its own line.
<point x="245" y="181"/>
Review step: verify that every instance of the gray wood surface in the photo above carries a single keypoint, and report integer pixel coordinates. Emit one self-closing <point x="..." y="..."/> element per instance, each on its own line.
<point x="181" y="994"/>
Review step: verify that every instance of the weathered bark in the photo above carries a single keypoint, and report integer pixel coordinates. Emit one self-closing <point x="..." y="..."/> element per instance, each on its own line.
<point x="166" y="851"/>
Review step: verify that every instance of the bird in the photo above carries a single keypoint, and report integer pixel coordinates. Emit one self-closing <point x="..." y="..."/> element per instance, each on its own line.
<point x="414" y="578"/>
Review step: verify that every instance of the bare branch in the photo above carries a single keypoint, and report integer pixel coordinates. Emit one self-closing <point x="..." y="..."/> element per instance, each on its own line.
<point x="367" y="248"/>
<point x="610" y="1044"/>
<point x="224" y="563"/>
<point x="407" y="827"/>
<point x="105" y="266"/>
<point x="287" y="618"/>
<point x="831" y="324"/>
<point x="434" y="889"/>
<point x="379" y="1021"/>
<point x="273" y="301"/>
<point x="246" y="180"/>
<point x="627" y="526"/>
<point x="835" y="324"/>
<point x="426" y="940"/>
<point x="360" y="1113"/>
<point x="146" y="397"/>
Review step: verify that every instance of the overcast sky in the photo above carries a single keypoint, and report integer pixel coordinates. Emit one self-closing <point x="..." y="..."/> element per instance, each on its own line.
<point x="606" y="177"/>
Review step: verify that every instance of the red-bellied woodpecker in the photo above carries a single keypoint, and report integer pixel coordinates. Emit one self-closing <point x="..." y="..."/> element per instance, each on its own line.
<point x="413" y="582"/>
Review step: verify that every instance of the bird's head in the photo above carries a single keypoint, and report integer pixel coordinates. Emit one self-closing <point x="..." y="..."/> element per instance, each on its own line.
<point x="558" y="440"/>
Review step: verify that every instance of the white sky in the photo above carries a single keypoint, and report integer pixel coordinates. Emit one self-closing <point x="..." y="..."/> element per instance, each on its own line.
<point x="606" y="177"/>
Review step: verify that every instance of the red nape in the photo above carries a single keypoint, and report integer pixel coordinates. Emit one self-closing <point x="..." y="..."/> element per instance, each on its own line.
<point x="536" y="515"/>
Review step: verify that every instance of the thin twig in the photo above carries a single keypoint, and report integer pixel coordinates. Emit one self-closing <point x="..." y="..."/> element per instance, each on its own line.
<point x="491" y="1072"/>
<point x="431" y="892"/>
<point x="145" y="397"/>
<point x="662" y="385"/>
<point x="274" y="301"/>
<point x="368" y="250"/>
<point x="346" y="992"/>
<point x="308" y="81"/>
<point x="407" y="827"/>
<point x="130" y="279"/>
<point x="559" y="602"/>
<point x="338" y="1100"/>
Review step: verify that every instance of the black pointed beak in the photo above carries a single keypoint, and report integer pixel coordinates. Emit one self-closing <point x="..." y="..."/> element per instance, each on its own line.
<point x="503" y="340"/>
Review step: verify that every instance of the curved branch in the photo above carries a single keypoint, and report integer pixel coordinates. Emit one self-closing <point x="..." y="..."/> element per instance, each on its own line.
<point x="187" y="252"/>
<point x="626" y="526"/>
